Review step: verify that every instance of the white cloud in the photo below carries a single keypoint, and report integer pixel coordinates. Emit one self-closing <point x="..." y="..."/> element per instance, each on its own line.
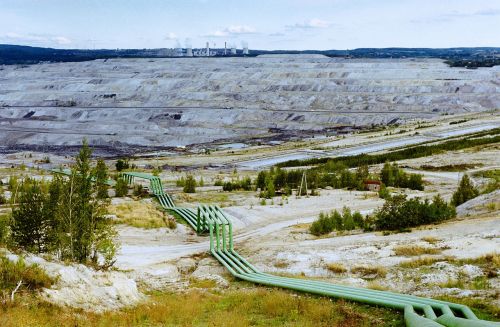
<point x="233" y="30"/>
<point x="312" y="23"/>
<point x="38" y="39"/>
<point x="62" y="40"/>
<point x="171" y="36"/>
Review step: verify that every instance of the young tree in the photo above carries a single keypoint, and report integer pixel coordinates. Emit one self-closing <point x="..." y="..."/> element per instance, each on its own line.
<point x="347" y="219"/>
<point x="386" y="175"/>
<point x="88" y="234"/>
<point x="337" y="221"/>
<point x="464" y="192"/>
<point x="261" y="180"/>
<point x="190" y="184"/>
<point x="270" y="188"/>
<point x="357" y="217"/>
<point x="29" y="222"/>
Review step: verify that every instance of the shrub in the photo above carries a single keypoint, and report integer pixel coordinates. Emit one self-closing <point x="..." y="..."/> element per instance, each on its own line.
<point x="32" y="276"/>
<point x="189" y="185"/>
<point x="121" y="188"/>
<point x="122" y="164"/>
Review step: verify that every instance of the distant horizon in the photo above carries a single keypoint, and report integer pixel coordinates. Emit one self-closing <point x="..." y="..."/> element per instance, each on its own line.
<point x="267" y="50"/>
<point x="266" y="25"/>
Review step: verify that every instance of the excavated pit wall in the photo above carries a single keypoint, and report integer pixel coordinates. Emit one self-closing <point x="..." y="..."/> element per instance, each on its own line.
<point x="183" y="101"/>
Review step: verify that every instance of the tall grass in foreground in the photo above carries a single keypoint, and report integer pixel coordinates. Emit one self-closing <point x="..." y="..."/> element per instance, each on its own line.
<point x="235" y="308"/>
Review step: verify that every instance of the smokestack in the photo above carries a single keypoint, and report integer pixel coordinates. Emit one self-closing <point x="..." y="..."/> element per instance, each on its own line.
<point x="189" y="48"/>
<point x="224" y="48"/>
<point x="208" y="49"/>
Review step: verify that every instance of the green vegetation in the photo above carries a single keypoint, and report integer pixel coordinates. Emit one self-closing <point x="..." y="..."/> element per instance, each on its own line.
<point x="189" y="185"/>
<point x="407" y="153"/>
<point x="392" y="175"/>
<point x="465" y="191"/>
<point x="65" y="217"/>
<point x="399" y="213"/>
<point x="234" y="308"/>
<point x="18" y="276"/>
<point x="238" y="185"/>
<point x="4" y="228"/>
<point x="121" y="187"/>
<point x="122" y="164"/>
<point x="326" y="223"/>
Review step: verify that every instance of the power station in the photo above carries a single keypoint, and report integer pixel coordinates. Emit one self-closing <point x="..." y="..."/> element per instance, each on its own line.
<point x="229" y="50"/>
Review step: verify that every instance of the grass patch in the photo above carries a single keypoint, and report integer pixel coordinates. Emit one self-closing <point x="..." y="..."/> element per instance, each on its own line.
<point x="491" y="259"/>
<point x="419" y="262"/>
<point x="481" y="308"/>
<point x="281" y="264"/>
<point x="255" y="307"/>
<point x="336" y="268"/>
<point x="140" y="214"/>
<point x="220" y="198"/>
<point x="366" y="271"/>
<point x="414" y="250"/>
<point x="202" y="283"/>
<point x="31" y="276"/>
<point x="431" y="240"/>
<point x="374" y="285"/>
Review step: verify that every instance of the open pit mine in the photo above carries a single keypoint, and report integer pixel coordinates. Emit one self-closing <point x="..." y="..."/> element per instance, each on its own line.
<point x="124" y="105"/>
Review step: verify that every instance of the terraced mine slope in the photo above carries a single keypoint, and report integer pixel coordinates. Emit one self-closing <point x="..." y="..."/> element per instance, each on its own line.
<point x="172" y="102"/>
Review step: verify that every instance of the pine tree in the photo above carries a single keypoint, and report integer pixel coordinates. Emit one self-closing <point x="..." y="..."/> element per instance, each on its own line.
<point x="357" y="217"/>
<point x="336" y="218"/>
<point x="347" y="219"/>
<point x="464" y="192"/>
<point x="190" y="185"/>
<point x="29" y="221"/>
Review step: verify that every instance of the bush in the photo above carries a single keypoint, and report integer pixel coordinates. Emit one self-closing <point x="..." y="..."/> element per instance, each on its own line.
<point x="465" y="191"/>
<point x="325" y="223"/>
<point x="245" y="184"/>
<point x="398" y="213"/>
<point x="32" y="276"/>
<point x="4" y="228"/>
<point x="122" y="164"/>
<point x="392" y="175"/>
<point x="121" y="188"/>
<point x="189" y="185"/>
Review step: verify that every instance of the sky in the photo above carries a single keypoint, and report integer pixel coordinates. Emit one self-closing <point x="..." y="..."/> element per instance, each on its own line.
<point x="262" y="24"/>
